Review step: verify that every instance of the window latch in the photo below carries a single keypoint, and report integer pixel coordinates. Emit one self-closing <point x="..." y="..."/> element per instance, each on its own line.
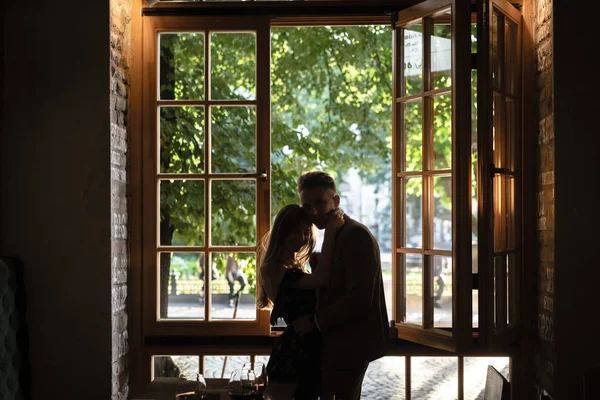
<point x="501" y="171"/>
<point x="261" y="176"/>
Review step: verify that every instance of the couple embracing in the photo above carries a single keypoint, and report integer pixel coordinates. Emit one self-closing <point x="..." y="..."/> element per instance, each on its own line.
<point x="335" y="315"/>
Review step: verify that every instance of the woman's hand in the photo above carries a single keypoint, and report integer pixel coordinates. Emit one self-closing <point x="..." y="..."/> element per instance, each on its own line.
<point x="336" y="220"/>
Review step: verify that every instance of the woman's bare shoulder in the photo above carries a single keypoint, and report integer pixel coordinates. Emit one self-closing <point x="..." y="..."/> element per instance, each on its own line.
<point x="272" y="269"/>
<point x="271" y="275"/>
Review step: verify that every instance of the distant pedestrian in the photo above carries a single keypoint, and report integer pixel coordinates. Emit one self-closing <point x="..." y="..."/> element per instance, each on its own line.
<point x="233" y="272"/>
<point x="200" y="267"/>
<point x="437" y="277"/>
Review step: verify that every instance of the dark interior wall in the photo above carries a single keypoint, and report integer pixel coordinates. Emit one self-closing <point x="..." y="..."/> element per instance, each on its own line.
<point x="55" y="210"/>
<point x="2" y="12"/>
<point x="577" y="291"/>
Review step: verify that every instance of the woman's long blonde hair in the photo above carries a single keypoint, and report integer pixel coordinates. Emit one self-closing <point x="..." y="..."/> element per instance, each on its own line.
<point x="272" y="244"/>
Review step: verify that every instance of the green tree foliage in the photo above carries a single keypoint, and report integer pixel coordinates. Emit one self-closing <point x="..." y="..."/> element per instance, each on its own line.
<point x="331" y="94"/>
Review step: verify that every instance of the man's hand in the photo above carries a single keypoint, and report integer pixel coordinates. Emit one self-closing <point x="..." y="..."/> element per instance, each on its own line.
<point x="335" y="219"/>
<point x="303" y="325"/>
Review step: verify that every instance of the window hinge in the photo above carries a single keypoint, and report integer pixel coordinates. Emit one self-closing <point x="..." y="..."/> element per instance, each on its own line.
<point x="394" y="19"/>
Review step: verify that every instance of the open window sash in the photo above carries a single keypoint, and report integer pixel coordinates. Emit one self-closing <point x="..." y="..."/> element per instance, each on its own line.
<point x="499" y="172"/>
<point x="431" y="164"/>
<point x="204" y="209"/>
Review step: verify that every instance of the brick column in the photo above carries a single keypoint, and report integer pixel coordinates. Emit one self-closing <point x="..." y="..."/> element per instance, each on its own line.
<point x="545" y="352"/>
<point x="120" y="48"/>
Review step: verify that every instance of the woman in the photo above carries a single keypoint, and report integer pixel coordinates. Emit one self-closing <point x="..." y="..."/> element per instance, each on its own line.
<point x="288" y="290"/>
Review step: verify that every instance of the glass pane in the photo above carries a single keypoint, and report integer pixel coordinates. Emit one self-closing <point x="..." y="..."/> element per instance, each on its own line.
<point x="233" y="296"/>
<point x="441" y="56"/>
<point x="442" y="292"/>
<point x="233" y="139"/>
<point x="510" y="214"/>
<point x="434" y="378"/>
<point x="442" y="132"/>
<point x="233" y="213"/>
<point x="413" y="60"/>
<point x="496" y="67"/>
<point x="474" y="164"/>
<point x="175" y="366"/>
<point x="181" y="212"/>
<point x="502" y="132"/>
<point x="442" y="213"/>
<point x="233" y="66"/>
<point x="414" y="212"/>
<point x="413" y="135"/>
<point x="511" y="134"/>
<point x="385" y="379"/>
<point x="499" y="232"/>
<point x="262" y="359"/>
<point x="414" y="289"/>
<point x="185" y="288"/>
<point x="182" y="140"/>
<point x="181" y="70"/>
<point x="386" y="272"/>
<point x="511" y="272"/>
<point x="475" y="372"/>
<point x="511" y="46"/>
<point x="475" y="300"/>
<point x="220" y="367"/>
<point x="473" y="38"/>
<point x="500" y="290"/>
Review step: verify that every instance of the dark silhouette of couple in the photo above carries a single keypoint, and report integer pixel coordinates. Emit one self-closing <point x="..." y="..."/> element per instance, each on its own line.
<point x="335" y="314"/>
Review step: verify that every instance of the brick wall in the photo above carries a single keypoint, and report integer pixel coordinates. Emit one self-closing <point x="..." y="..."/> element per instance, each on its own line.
<point x="120" y="61"/>
<point x="545" y="354"/>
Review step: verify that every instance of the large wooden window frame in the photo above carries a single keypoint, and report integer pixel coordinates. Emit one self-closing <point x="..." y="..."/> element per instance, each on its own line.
<point x="460" y="334"/>
<point x="153" y="324"/>
<point x="149" y="336"/>
<point x="500" y="172"/>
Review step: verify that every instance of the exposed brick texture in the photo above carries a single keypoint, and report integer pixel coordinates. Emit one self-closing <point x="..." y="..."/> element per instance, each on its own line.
<point x="120" y="56"/>
<point x="545" y="227"/>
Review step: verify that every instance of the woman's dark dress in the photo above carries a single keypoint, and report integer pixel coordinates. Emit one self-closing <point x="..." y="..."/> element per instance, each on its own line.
<point x="296" y="358"/>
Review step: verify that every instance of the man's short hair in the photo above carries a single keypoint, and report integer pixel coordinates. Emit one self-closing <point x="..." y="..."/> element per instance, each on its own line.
<point x="314" y="179"/>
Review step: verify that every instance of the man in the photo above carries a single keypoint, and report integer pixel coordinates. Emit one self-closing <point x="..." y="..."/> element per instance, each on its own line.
<point x="351" y="311"/>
